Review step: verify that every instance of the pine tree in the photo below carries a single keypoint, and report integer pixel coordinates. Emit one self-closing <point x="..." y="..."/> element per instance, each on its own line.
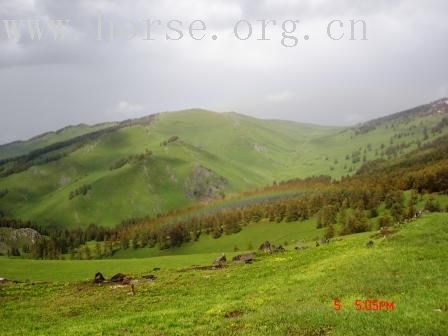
<point x="97" y="250"/>
<point x="329" y="232"/>
<point x="87" y="253"/>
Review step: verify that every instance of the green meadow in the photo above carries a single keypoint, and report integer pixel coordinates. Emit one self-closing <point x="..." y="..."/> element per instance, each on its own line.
<point x="282" y="294"/>
<point x="66" y="271"/>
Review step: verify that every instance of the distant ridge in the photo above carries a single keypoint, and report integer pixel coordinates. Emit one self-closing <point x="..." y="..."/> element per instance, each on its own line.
<point x="157" y="163"/>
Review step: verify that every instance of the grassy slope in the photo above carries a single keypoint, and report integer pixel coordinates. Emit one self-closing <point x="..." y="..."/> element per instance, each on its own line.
<point x="304" y="233"/>
<point x="248" y="152"/>
<point x="24" y="147"/>
<point x="41" y="193"/>
<point x="81" y="270"/>
<point x="288" y="294"/>
<point x="249" y="238"/>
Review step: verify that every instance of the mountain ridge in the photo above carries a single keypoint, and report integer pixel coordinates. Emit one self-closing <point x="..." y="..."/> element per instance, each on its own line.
<point x="149" y="165"/>
<point x="106" y="124"/>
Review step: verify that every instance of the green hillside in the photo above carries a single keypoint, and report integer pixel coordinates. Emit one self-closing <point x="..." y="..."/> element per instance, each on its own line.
<point x="177" y="159"/>
<point x="18" y="148"/>
<point x="287" y="294"/>
<point x="247" y="239"/>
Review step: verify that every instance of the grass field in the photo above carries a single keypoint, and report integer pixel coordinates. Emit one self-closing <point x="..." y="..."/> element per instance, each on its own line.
<point x="284" y="294"/>
<point x="81" y="270"/>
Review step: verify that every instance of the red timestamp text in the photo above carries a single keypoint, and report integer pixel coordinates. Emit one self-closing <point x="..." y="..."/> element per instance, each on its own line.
<point x="367" y="305"/>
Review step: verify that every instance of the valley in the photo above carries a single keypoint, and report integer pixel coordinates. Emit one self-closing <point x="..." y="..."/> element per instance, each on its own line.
<point x="159" y="226"/>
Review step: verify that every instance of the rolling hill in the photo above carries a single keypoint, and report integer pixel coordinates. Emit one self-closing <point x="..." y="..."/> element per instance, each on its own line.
<point x="18" y="148"/>
<point x="106" y="173"/>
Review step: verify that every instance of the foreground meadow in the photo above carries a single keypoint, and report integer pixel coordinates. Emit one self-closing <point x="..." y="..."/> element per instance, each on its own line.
<point x="283" y="294"/>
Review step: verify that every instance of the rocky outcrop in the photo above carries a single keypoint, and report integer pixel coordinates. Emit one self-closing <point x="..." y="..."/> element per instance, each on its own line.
<point x="99" y="278"/>
<point x="17" y="238"/>
<point x="221" y="260"/>
<point x="29" y="235"/>
<point x="119" y="277"/>
<point x="268" y="248"/>
<point x="265" y="247"/>
<point x="203" y="184"/>
<point x="246" y="258"/>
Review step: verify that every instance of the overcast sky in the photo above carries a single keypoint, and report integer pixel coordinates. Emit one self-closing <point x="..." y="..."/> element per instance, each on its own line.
<point x="47" y="84"/>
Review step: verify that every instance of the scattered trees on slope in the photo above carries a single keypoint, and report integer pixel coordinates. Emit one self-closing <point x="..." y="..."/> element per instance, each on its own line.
<point x="130" y="159"/>
<point x="81" y="191"/>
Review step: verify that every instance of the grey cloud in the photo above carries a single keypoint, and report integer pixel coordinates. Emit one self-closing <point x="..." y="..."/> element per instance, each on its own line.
<point x="47" y="85"/>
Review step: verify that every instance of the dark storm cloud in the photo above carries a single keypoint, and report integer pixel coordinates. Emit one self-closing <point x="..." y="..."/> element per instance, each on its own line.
<point x="49" y="84"/>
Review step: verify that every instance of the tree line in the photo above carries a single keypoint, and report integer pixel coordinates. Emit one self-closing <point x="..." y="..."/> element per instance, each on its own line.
<point x="350" y="202"/>
<point x="340" y="207"/>
<point x="56" y="241"/>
